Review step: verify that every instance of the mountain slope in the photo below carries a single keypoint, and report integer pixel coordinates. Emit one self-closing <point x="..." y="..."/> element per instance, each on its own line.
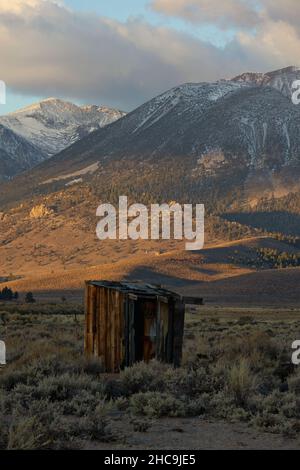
<point x="206" y="141"/>
<point x="53" y="124"/>
<point x="280" y="80"/>
<point x="16" y="154"/>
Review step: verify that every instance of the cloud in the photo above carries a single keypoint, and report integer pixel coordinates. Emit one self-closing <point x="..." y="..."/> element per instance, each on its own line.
<point x="225" y="13"/>
<point x="50" y="50"/>
<point x="240" y="14"/>
<point x="17" y="6"/>
<point x="287" y="11"/>
<point x="267" y="32"/>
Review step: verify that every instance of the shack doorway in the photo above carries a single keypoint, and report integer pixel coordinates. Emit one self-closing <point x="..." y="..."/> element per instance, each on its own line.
<point x="142" y="330"/>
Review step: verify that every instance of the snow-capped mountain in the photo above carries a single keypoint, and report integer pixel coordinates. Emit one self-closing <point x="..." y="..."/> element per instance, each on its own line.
<point x="240" y="134"/>
<point x="280" y="80"/>
<point x="254" y="124"/>
<point x="52" y="125"/>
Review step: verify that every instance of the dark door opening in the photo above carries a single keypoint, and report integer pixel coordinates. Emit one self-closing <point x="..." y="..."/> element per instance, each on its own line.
<point x="141" y="331"/>
<point x="148" y="313"/>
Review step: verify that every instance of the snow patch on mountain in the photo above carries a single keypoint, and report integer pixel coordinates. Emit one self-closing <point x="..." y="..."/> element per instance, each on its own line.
<point x="52" y="124"/>
<point x="281" y="80"/>
<point x="84" y="171"/>
<point x="196" y="97"/>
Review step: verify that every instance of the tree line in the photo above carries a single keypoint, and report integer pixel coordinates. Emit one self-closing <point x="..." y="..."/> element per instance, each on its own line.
<point x="8" y="295"/>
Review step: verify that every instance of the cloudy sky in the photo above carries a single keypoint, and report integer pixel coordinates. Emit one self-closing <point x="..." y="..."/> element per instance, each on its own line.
<point x="123" y="52"/>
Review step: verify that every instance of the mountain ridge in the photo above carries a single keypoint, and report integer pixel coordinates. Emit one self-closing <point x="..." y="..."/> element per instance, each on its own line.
<point x="51" y="125"/>
<point x="230" y="135"/>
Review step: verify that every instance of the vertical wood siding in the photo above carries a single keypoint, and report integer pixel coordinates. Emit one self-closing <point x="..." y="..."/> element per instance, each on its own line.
<point x="111" y="321"/>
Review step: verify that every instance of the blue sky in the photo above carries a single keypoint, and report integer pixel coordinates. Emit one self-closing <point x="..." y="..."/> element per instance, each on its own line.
<point x="124" y="9"/>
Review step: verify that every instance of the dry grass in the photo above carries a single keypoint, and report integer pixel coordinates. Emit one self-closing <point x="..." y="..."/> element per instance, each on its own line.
<point x="234" y="368"/>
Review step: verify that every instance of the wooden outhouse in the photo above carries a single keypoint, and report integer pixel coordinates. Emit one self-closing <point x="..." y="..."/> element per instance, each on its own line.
<point x="128" y="322"/>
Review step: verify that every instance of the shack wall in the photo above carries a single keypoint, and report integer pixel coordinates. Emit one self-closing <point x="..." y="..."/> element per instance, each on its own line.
<point x="114" y="334"/>
<point x="105" y="326"/>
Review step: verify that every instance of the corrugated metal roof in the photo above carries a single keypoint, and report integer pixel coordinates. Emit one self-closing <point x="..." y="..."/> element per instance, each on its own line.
<point x="136" y="288"/>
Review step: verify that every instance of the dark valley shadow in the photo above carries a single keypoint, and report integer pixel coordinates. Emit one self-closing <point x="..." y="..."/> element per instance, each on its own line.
<point x="276" y="221"/>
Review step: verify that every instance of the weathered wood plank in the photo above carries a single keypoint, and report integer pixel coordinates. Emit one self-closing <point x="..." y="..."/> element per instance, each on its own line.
<point x="126" y="331"/>
<point x="131" y="333"/>
<point x="86" y="322"/>
<point x="121" y="331"/>
<point x="97" y="333"/>
<point x="102" y="326"/>
<point x="158" y="332"/>
<point x="179" y="314"/>
<point x="108" y="331"/>
<point x="164" y="330"/>
<point x="170" y="336"/>
<point x="118" y="334"/>
<point x="112" y="314"/>
<point x="90" y="328"/>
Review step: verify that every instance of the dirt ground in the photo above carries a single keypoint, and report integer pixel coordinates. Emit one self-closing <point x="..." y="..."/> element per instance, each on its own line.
<point x="195" y="434"/>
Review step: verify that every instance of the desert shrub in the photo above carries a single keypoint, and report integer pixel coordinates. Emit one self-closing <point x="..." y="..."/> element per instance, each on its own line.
<point x="290" y="406"/>
<point x="143" y="377"/>
<point x="22" y="396"/>
<point x="96" y="426"/>
<point x="82" y="404"/>
<point x="91" y="366"/>
<point x="115" y="388"/>
<point x="4" y="430"/>
<point x="223" y="406"/>
<point x="240" y="382"/>
<point x="141" y="425"/>
<point x="28" y="433"/>
<point x="274" y="423"/>
<point x="42" y="426"/>
<point x="72" y="394"/>
<point x="156" y="404"/>
<point x="245" y="320"/>
<point x="67" y="386"/>
<point x="266" y="383"/>
<point x="121" y="403"/>
<point x="277" y="413"/>
<point x="294" y="383"/>
<point x="9" y="380"/>
<point x="257" y="348"/>
<point x="189" y="382"/>
<point x="198" y="406"/>
<point x="278" y="403"/>
<point x="230" y="371"/>
<point x="155" y="377"/>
